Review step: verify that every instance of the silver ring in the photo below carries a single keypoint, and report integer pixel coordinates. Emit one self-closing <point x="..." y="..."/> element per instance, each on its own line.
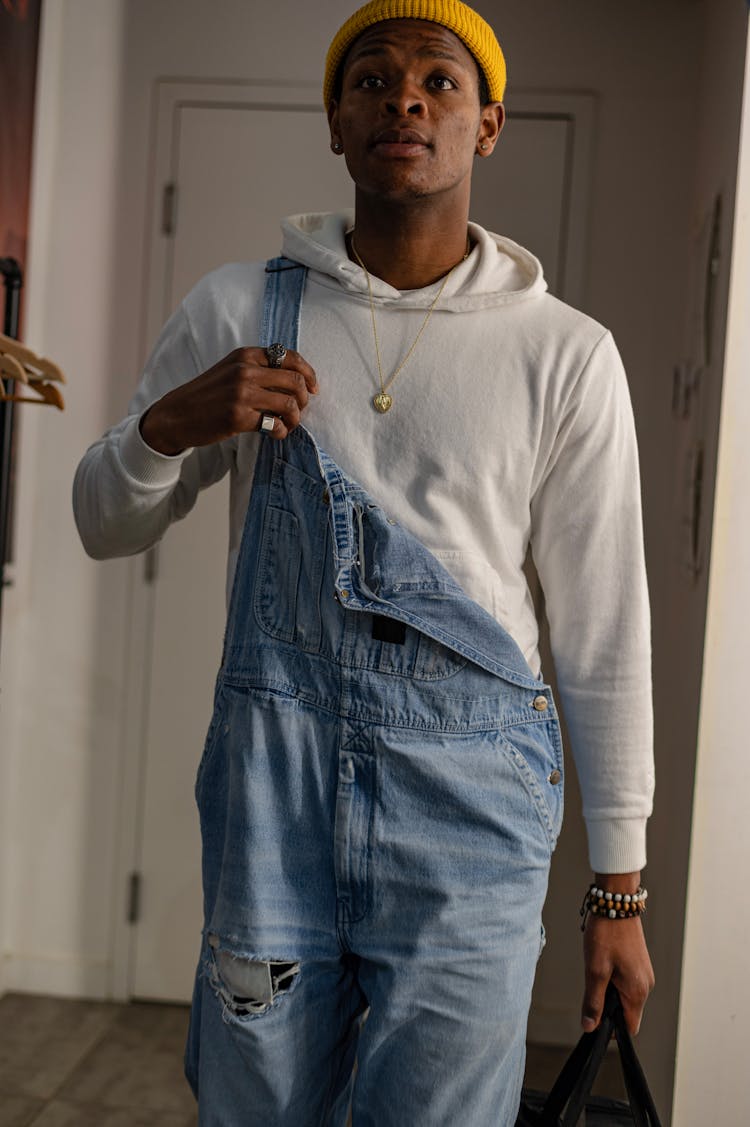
<point x="267" y="424"/>
<point x="275" y="354"/>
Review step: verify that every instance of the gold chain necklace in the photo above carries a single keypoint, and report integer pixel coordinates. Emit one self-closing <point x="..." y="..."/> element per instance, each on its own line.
<point x="383" y="402"/>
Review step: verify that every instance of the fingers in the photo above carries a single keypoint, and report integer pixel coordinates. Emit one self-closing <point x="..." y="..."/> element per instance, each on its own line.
<point x="632" y="1008"/>
<point x="296" y="363"/>
<point x="280" y="392"/>
<point x="229" y="399"/>
<point x="616" y="951"/>
<point x="632" y="998"/>
<point x="593" y="1000"/>
<point x="634" y="989"/>
<point x="285" y="408"/>
<point x="292" y="363"/>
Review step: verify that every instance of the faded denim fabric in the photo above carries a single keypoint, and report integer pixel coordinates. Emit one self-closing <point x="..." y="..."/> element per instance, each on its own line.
<point x="379" y="800"/>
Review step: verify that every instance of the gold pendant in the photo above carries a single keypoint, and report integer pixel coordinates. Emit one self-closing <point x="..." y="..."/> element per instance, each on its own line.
<point x="382" y="402"/>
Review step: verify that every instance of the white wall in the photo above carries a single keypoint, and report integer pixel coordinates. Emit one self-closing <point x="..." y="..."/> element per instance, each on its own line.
<point x="679" y="601"/>
<point x="66" y="618"/>
<point x="714" y="1024"/>
<point x="60" y="685"/>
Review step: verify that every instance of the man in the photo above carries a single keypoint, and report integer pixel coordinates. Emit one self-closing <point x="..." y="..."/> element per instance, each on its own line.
<point x="397" y="864"/>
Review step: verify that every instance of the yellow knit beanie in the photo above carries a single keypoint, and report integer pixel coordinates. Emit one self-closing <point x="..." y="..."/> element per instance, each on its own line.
<point x="474" y="32"/>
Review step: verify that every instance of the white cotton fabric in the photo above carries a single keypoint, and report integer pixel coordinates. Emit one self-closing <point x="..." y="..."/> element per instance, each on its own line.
<point x="511" y="426"/>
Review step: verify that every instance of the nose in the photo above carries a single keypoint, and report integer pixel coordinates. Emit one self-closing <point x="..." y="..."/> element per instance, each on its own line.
<point x="405" y="99"/>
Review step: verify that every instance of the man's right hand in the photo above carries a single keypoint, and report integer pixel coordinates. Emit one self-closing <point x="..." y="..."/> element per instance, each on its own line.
<point x="229" y="399"/>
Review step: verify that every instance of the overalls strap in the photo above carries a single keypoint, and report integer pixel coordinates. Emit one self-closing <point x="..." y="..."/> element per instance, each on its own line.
<point x="282" y="302"/>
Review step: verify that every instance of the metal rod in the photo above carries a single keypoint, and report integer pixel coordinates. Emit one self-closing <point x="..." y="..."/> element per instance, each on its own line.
<point x="13" y="281"/>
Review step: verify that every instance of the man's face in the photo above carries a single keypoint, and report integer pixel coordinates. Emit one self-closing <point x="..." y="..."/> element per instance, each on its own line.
<point x="409" y="117"/>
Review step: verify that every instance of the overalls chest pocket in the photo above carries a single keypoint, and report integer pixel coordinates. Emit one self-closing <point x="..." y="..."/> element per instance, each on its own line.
<point x="291" y="557"/>
<point x="394" y="566"/>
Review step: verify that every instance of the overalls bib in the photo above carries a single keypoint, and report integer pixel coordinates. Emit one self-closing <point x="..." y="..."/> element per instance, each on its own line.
<point x="379" y="800"/>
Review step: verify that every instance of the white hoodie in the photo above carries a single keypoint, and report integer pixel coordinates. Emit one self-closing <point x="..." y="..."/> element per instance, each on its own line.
<point x="511" y="426"/>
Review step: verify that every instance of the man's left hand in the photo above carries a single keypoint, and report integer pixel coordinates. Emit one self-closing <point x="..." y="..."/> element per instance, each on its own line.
<point x="615" y="950"/>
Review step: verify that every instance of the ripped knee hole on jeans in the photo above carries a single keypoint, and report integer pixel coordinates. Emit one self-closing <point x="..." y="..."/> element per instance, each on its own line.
<point x="246" y="985"/>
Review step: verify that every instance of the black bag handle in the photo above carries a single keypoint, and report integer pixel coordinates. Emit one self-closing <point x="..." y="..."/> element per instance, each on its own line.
<point x="639" y="1095"/>
<point x="573" y="1086"/>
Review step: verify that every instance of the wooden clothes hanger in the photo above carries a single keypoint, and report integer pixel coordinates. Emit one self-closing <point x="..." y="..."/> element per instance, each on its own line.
<point x="39" y="376"/>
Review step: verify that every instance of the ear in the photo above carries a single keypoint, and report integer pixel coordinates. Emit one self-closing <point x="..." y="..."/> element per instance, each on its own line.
<point x="333" y="124"/>
<point x="491" y="125"/>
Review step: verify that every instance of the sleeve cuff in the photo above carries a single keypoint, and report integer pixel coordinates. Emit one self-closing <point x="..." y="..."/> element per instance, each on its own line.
<point x="617" y="845"/>
<point x="146" y="466"/>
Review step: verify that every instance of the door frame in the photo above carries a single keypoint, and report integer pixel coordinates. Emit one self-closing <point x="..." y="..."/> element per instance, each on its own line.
<point x="170" y="96"/>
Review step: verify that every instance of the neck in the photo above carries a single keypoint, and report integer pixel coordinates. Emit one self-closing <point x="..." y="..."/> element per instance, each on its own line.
<point x="407" y="247"/>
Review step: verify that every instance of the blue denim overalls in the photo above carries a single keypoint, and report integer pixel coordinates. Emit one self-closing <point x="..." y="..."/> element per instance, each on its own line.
<point x="379" y="800"/>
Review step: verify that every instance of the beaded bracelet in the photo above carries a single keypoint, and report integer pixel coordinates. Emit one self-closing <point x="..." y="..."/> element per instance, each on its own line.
<point x="613" y="905"/>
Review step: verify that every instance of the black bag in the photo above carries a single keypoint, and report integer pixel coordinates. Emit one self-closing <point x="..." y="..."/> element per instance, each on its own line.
<point x="570" y="1098"/>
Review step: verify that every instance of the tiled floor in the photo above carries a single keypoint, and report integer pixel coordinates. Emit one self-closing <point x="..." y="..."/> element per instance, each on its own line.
<point x="97" y="1064"/>
<point x="92" y="1064"/>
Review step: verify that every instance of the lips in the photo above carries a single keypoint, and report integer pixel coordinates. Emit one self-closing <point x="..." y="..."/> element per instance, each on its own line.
<point x="400" y="142"/>
<point x="400" y="137"/>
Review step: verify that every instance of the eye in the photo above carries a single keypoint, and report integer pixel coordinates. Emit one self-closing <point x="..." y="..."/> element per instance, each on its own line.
<point x="441" y="82"/>
<point x="370" y="82"/>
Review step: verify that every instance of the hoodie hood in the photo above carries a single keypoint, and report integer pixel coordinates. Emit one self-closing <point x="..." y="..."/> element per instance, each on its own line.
<point x="497" y="272"/>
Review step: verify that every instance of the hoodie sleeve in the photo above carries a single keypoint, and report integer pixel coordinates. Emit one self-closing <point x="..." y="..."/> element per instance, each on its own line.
<point x="587" y="542"/>
<point x="125" y="495"/>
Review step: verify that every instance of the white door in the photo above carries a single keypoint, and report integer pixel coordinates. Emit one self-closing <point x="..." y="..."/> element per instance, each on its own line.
<point x="231" y="180"/>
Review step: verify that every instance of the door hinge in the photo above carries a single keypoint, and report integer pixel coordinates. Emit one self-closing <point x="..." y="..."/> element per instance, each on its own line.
<point x="713" y="266"/>
<point x="169" y="209"/>
<point x="151" y="565"/>
<point x="134" y="898"/>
